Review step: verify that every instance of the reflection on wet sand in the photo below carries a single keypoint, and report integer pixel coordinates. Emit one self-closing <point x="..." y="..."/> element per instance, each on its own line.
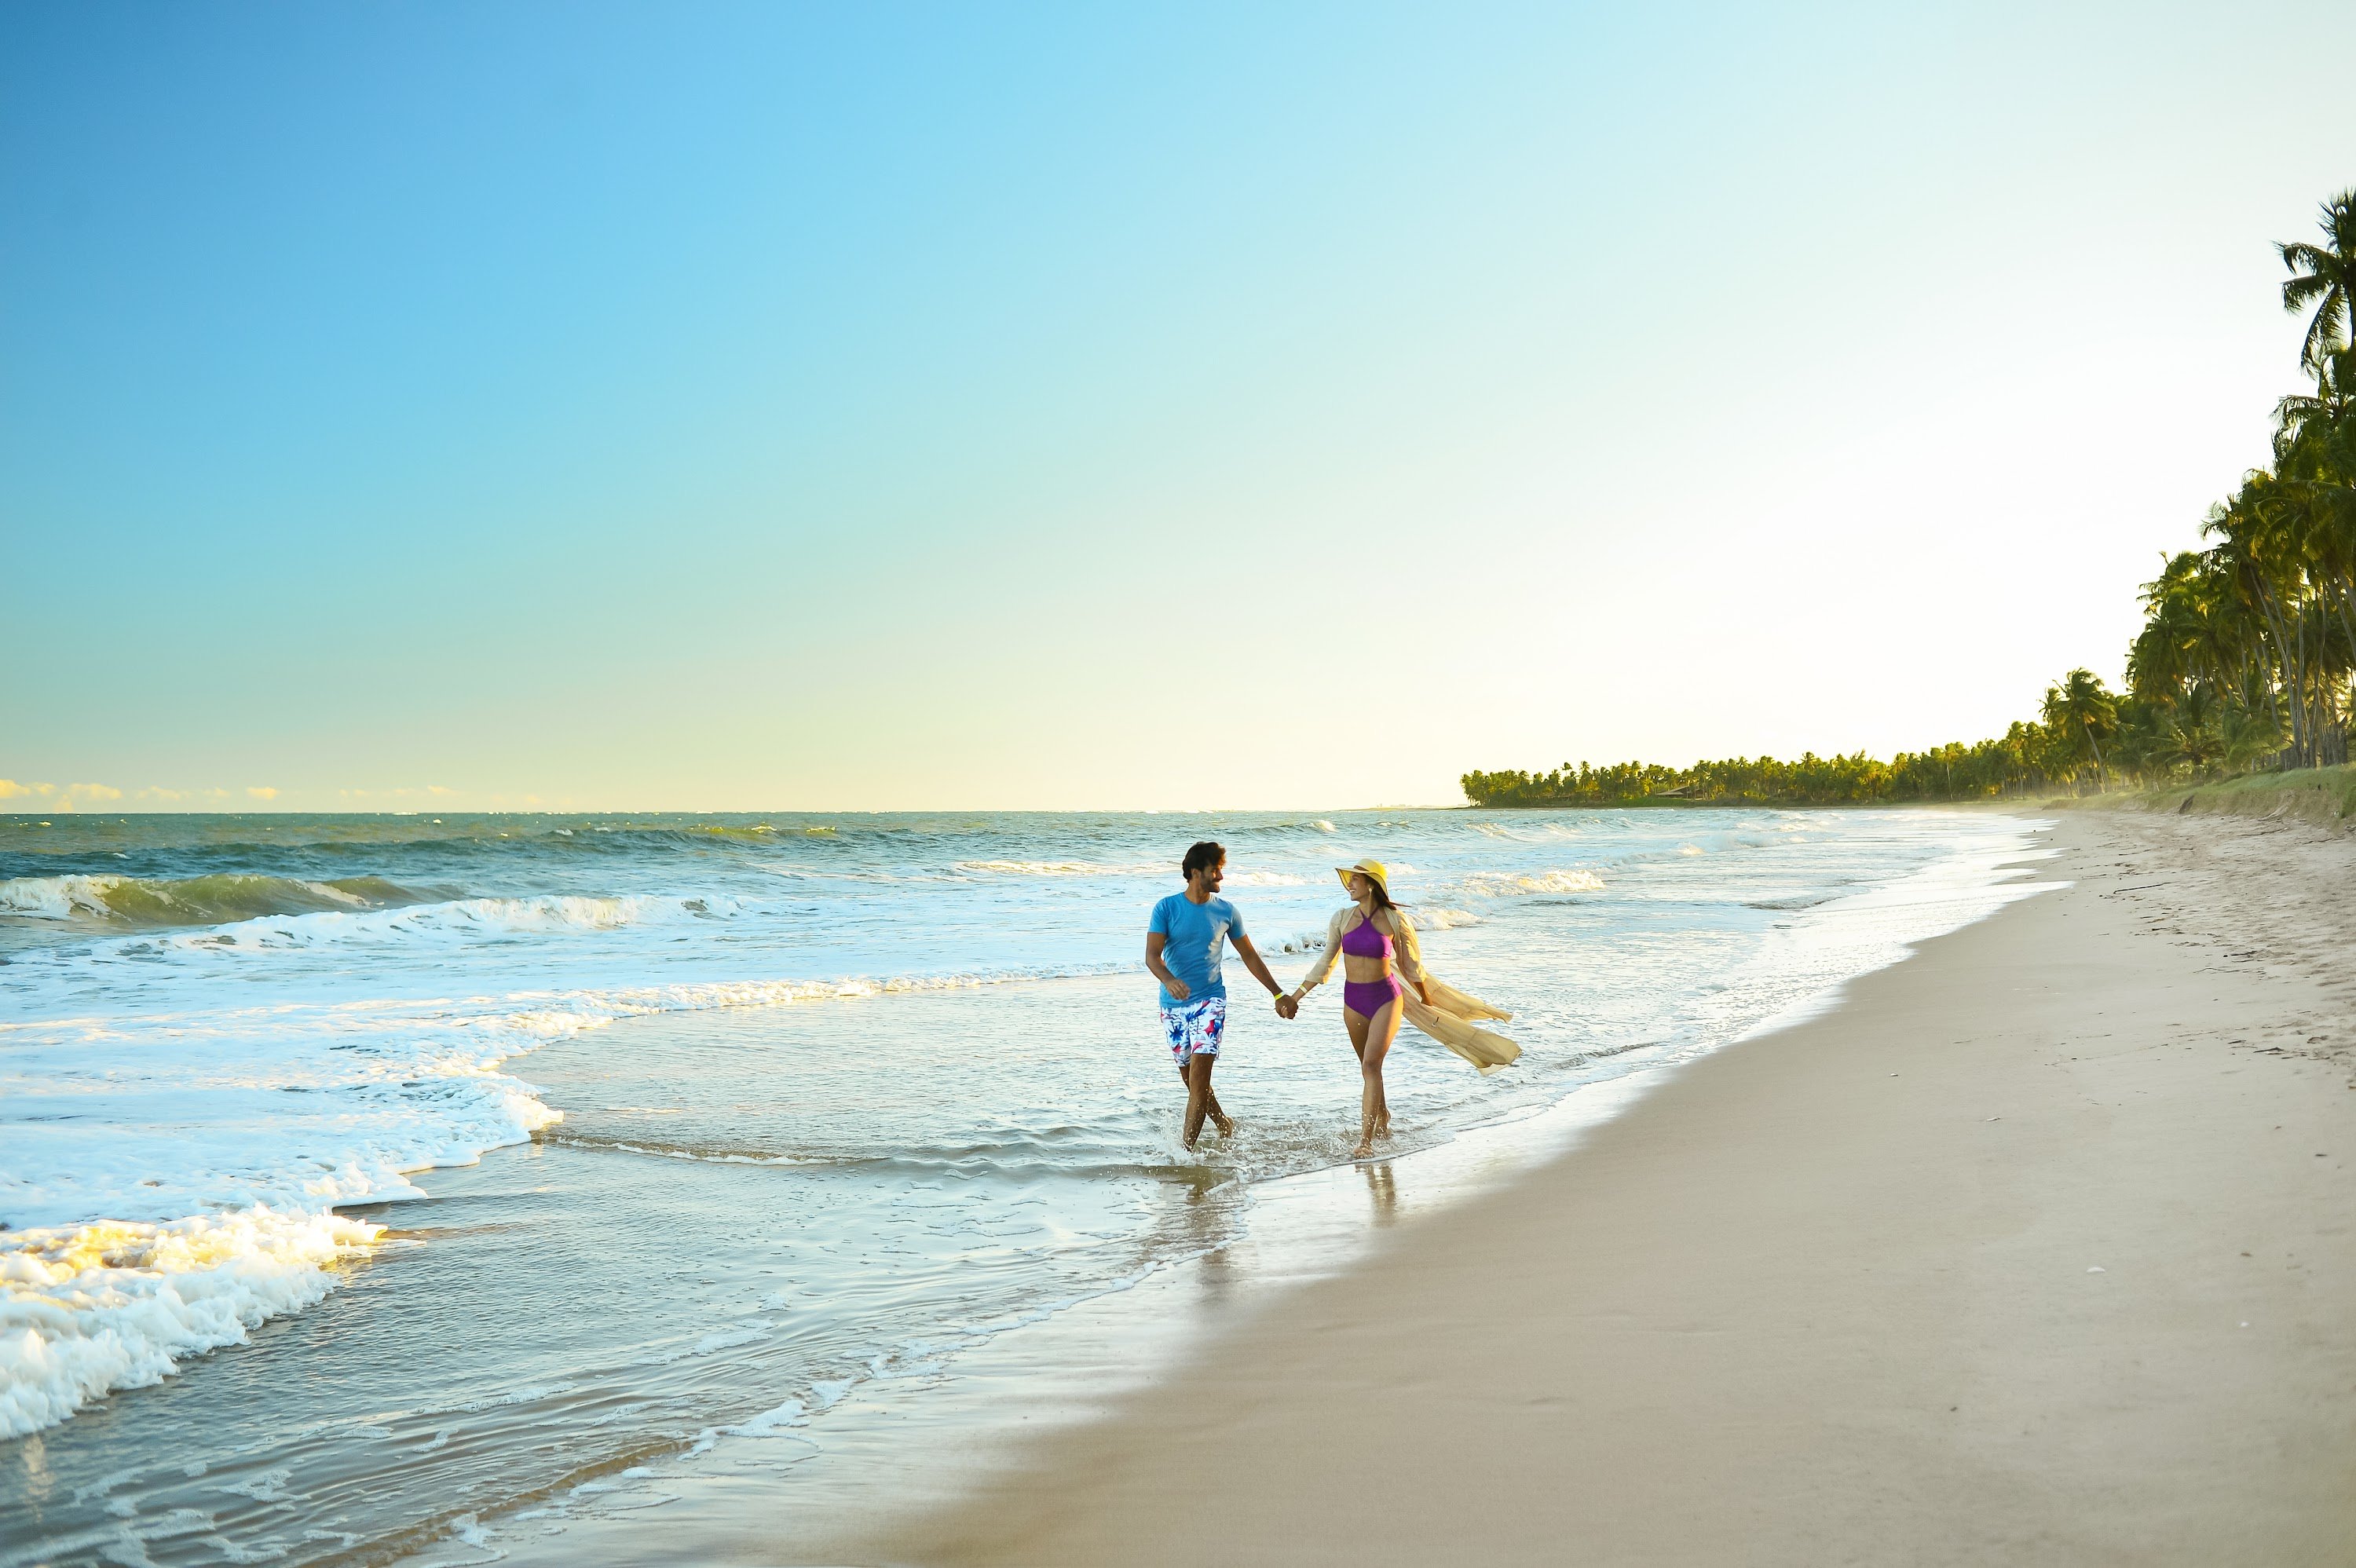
<point x="1383" y="1188"/>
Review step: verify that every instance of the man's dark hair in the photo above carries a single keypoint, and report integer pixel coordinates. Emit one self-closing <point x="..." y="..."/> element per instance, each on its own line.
<point x="1202" y="857"/>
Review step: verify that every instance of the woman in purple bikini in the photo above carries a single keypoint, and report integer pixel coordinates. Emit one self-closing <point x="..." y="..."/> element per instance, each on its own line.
<point x="1368" y="937"/>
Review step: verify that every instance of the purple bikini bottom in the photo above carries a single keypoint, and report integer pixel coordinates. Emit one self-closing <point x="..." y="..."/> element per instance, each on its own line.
<point x="1368" y="998"/>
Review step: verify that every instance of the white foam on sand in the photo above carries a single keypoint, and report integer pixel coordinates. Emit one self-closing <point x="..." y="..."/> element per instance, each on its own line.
<point x="305" y="1106"/>
<point x="204" y="1150"/>
<point x="88" y="1309"/>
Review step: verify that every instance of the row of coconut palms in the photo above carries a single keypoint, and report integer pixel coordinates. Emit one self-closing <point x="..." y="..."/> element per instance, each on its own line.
<point x="2245" y="659"/>
<point x="2247" y="647"/>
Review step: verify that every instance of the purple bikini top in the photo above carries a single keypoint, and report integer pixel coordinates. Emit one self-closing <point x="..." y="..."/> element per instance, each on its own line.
<point x="1363" y="941"/>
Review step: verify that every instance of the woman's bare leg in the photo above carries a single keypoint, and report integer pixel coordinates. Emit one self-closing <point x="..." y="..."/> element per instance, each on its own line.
<point x="1371" y="1038"/>
<point x="1356" y="1024"/>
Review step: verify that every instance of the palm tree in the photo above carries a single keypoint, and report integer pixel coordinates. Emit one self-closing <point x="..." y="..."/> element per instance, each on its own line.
<point x="2144" y="743"/>
<point x="2195" y="730"/>
<point x="2246" y="736"/>
<point x="2081" y="709"/>
<point x="2261" y="556"/>
<point x="2304" y="420"/>
<point x="2315" y="454"/>
<point x="2323" y="276"/>
<point x="2169" y="655"/>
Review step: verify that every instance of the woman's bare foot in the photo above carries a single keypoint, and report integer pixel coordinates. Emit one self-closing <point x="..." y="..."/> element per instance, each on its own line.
<point x="1227" y="1125"/>
<point x="1366" y="1147"/>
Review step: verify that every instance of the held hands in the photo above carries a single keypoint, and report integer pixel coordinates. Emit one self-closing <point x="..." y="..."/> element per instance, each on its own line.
<point x="1287" y="1006"/>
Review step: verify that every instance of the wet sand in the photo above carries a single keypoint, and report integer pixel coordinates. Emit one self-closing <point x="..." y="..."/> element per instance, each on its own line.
<point x="2039" y="1248"/>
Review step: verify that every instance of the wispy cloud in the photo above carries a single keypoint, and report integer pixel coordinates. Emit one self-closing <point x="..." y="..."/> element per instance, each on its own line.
<point x="67" y="797"/>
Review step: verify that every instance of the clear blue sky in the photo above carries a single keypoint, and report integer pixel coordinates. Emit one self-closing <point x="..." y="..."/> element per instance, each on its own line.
<point x="754" y="406"/>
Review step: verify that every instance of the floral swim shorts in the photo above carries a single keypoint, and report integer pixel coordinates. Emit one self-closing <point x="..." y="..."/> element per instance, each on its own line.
<point x="1194" y="1027"/>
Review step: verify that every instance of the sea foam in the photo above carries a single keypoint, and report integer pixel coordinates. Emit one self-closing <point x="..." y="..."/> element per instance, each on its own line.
<point x="88" y="1309"/>
<point x="1504" y="884"/>
<point x="218" y="1147"/>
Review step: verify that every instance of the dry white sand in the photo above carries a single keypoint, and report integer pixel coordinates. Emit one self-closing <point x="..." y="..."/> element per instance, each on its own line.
<point x="2040" y="1248"/>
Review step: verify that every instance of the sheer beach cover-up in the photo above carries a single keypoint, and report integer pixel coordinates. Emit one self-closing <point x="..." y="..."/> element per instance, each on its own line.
<point x="1448" y="1017"/>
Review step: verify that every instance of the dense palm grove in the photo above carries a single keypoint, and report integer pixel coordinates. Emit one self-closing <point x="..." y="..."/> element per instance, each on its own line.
<point x="2243" y="661"/>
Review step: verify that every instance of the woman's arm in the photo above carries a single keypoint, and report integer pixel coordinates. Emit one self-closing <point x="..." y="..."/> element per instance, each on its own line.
<point x="1258" y="965"/>
<point x="1324" y="965"/>
<point x="1408" y="953"/>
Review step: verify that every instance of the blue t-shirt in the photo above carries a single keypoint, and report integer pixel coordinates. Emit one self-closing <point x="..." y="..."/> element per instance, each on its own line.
<point x="1193" y="936"/>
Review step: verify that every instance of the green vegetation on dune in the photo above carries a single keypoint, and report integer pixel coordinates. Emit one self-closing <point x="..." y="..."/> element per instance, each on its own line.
<point x="2323" y="795"/>
<point x="2243" y="662"/>
<point x="1955" y="772"/>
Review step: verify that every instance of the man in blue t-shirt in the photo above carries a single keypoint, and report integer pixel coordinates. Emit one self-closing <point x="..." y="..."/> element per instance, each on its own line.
<point x="1183" y="942"/>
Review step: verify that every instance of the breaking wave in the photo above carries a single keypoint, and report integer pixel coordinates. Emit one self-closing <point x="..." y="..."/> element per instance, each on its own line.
<point x="1506" y="884"/>
<point x="218" y="1219"/>
<point x="215" y="900"/>
<point x="88" y="1309"/>
<point x="1055" y="868"/>
<point x="461" y="920"/>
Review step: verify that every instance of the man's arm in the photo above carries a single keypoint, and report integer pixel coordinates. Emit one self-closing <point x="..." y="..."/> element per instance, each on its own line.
<point x="1155" y="942"/>
<point x="1253" y="962"/>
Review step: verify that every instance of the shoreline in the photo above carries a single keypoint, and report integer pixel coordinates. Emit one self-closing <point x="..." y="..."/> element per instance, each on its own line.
<point x="703" y="1265"/>
<point x="1954" y="1272"/>
<point x="898" y="1442"/>
<point x="973" y="1459"/>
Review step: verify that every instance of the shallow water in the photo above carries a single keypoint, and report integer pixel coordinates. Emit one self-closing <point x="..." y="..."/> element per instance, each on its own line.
<point x="820" y="1104"/>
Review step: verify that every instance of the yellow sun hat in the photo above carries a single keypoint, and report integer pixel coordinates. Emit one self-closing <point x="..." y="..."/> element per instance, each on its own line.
<point x="1371" y="869"/>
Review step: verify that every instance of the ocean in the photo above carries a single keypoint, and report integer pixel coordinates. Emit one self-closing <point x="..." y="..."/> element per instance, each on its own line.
<point x="371" y="1182"/>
